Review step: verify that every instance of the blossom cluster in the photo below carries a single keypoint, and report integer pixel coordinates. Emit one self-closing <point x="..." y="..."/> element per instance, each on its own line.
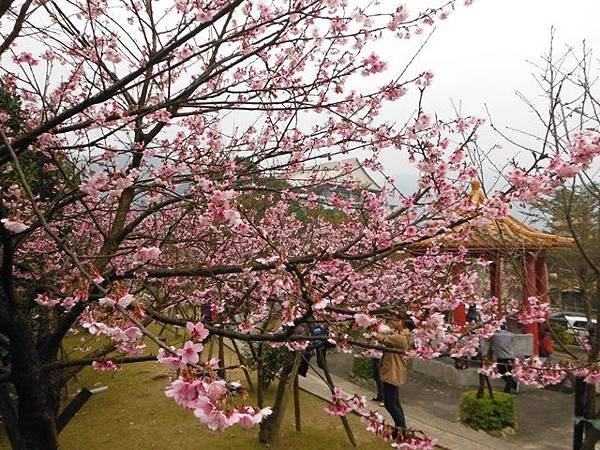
<point x="375" y="423"/>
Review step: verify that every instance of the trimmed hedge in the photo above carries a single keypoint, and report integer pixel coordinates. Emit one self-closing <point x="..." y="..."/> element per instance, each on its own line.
<point x="362" y="369"/>
<point x="563" y="334"/>
<point x="486" y="413"/>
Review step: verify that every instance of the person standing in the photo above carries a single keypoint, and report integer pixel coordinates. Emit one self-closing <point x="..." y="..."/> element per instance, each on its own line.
<point x="392" y="371"/>
<point x="319" y="348"/>
<point x="375" y="363"/>
<point x="546" y="347"/>
<point x="503" y="349"/>
<point x="473" y="315"/>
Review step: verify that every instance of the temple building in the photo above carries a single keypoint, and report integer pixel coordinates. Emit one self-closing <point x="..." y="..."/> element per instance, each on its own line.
<point x="497" y="241"/>
<point x="346" y="177"/>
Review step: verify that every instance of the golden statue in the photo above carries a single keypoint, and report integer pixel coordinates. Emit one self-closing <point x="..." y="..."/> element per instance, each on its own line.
<point x="476" y="196"/>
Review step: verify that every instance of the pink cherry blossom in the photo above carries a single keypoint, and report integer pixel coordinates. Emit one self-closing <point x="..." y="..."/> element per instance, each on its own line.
<point x="45" y="300"/>
<point x="170" y="360"/>
<point x="105" y="366"/>
<point x="338" y="406"/>
<point x="189" y="352"/>
<point x="25" y="58"/>
<point x="146" y="254"/>
<point x="373" y="64"/>
<point x="363" y="320"/>
<point x="182" y="392"/>
<point x="197" y="330"/>
<point x="13" y="226"/>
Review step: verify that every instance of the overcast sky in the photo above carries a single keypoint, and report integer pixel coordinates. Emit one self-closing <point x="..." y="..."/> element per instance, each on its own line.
<point x="480" y="56"/>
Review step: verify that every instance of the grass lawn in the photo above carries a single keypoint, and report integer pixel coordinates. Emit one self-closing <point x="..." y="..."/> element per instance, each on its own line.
<point x="135" y="414"/>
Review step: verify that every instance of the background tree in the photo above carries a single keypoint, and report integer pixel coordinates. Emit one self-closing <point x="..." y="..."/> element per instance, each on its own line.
<point x="575" y="211"/>
<point x="566" y="78"/>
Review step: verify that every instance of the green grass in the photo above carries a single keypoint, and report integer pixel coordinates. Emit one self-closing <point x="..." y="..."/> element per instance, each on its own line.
<point x="135" y="414"/>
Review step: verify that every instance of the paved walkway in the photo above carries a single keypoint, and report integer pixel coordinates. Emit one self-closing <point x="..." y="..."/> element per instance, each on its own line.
<point x="450" y="435"/>
<point x="544" y="416"/>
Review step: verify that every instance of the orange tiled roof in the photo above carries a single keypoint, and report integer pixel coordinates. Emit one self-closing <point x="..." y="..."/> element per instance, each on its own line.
<point x="507" y="234"/>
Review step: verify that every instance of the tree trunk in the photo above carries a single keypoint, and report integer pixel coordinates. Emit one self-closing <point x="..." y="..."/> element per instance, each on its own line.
<point x="297" y="409"/>
<point x="591" y="435"/>
<point x="221" y="371"/>
<point x="36" y="409"/>
<point x="578" y="428"/>
<point x="260" y="401"/>
<point x="270" y="428"/>
<point x="8" y="409"/>
<point x="37" y="418"/>
<point x="242" y="361"/>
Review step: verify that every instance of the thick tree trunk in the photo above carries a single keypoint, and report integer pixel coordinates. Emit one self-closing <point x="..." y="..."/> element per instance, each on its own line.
<point x="578" y="428"/>
<point x="33" y="424"/>
<point x="591" y="435"/>
<point x="36" y="408"/>
<point x="8" y="409"/>
<point x="270" y="428"/>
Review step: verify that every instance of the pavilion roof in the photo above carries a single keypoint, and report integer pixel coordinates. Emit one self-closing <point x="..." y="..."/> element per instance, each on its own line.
<point x="504" y="234"/>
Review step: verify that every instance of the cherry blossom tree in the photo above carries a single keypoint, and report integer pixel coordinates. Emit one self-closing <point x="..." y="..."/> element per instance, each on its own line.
<point x="150" y="154"/>
<point x="565" y="76"/>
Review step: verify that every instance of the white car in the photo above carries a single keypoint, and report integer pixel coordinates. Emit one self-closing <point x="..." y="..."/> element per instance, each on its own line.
<point x="574" y="324"/>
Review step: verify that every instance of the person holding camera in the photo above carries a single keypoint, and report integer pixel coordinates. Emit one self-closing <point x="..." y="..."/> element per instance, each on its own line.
<point x="392" y="371"/>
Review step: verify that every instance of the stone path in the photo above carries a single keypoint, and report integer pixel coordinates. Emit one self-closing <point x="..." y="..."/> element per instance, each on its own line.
<point x="450" y="435"/>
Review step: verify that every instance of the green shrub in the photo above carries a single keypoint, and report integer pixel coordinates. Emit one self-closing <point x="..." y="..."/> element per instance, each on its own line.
<point x="562" y="334"/>
<point x="486" y="413"/>
<point x="361" y="369"/>
<point x="273" y="359"/>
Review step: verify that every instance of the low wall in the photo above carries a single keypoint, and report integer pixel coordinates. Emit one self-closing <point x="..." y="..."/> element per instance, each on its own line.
<point x="442" y="369"/>
<point x="522" y="344"/>
<point x="339" y="363"/>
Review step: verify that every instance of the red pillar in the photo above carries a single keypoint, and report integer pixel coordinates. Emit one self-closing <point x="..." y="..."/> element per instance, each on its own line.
<point x="459" y="315"/>
<point x="496" y="280"/>
<point x="541" y="271"/>
<point x="530" y="290"/>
